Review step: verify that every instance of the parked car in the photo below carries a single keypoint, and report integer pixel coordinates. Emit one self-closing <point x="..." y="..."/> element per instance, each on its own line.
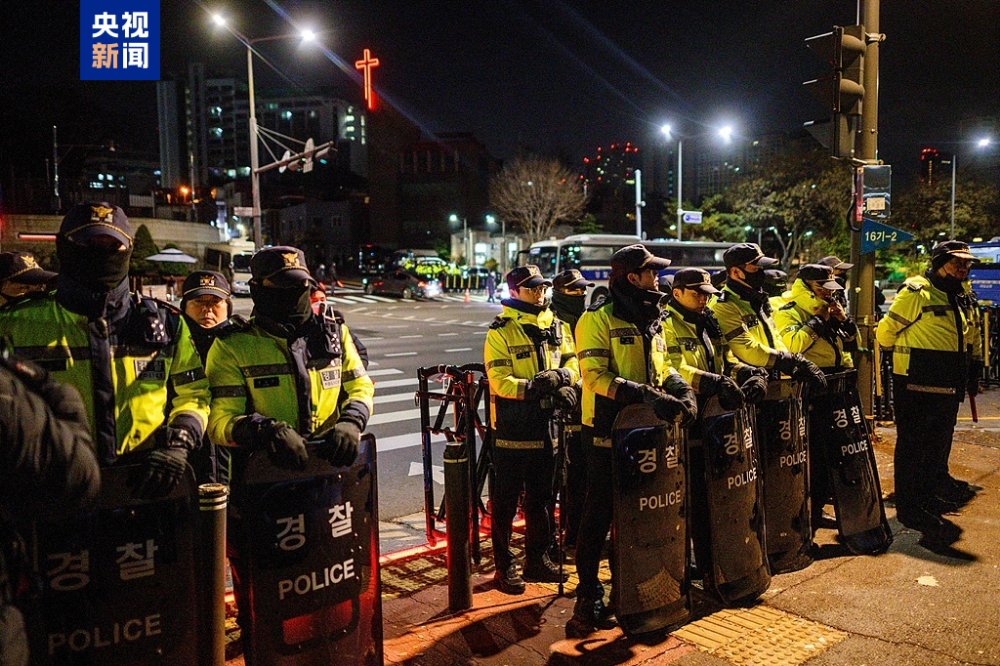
<point x="403" y="284"/>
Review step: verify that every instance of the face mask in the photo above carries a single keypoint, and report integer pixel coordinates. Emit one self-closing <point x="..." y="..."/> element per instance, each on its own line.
<point x="571" y="305"/>
<point x="97" y="267"/>
<point x="284" y="305"/>
<point x="755" y="280"/>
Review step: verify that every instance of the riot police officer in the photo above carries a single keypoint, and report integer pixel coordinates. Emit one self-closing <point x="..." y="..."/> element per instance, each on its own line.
<point x="623" y="359"/>
<point x="698" y="352"/>
<point x="744" y="314"/>
<point x="206" y="302"/>
<point x="532" y="368"/>
<point x="840" y="271"/>
<point x="286" y="375"/>
<point x="20" y="275"/>
<point x="569" y="297"/>
<point x="927" y="329"/>
<point x="813" y="323"/>
<point x="126" y="354"/>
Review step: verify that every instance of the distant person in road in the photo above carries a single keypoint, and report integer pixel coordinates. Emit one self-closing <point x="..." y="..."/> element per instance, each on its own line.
<point x="21" y="275"/>
<point x="321" y="274"/>
<point x="532" y="368"/>
<point x="569" y="301"/>
<point x="491" y="287"/>
<point x="47" y="469"/>
<point x="927" y="328"/>
<point x="623" y="359"/>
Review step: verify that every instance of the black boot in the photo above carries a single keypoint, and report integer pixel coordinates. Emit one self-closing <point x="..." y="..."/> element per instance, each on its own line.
<point x="589" y="615"/>
<point x="509" y="581"/>
<point x="544" y="571"/>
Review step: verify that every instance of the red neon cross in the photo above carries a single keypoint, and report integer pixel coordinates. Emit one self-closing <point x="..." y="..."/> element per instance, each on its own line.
<point x="367" y="64"/>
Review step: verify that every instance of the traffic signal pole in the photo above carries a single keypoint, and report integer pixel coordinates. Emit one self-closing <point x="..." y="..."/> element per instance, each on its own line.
<point x="866" y="150"/>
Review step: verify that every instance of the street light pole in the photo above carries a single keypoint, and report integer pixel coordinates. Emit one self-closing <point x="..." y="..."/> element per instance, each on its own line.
<point x="680" y="181"/>
<point x="254" y="159"/>
<point x="954" y="159"/>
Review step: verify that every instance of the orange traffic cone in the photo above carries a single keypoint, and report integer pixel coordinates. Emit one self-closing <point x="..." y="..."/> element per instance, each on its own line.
<point x="467" y="299"/>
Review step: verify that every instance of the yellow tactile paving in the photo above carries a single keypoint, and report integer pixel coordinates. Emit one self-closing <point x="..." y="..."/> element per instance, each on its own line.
<point x="759" y="636"/>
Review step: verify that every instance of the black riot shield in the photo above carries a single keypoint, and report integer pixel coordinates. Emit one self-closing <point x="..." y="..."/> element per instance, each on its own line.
<point x="737" y="568"/>
<point x="116" y="583"/>
<point x="784" y="455"/>
<point x="857" y="493"/>
<point x="650" y="522"/>
<point x="312" y="561"/>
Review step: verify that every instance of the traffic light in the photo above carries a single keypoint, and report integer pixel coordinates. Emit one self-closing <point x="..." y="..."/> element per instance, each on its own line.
<point x="843" y="90"/>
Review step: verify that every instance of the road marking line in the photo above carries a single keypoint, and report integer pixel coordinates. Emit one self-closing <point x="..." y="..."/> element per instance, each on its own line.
<point x="460" y="349"/>
<point x="338" y="299"/>
<point x="394" y="417"/>
<point x="381" y="299"/>
<point x="383" y="373"/>
<point x="395" y="383"/>
<point x="393" y="397"/>
<point x="404" y="441"/>
<point x="445" y="335"/>
<point x="374" y="337"/>
<point x="395" y="354"/>
<point x="410" y="336"/>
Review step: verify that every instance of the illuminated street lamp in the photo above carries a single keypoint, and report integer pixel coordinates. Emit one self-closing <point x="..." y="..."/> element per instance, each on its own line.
<point x="725" y="132"/>
<point x="981" y="143"/>
<point x="306" y="36"/>
<point x="465" y="234"/>
<point x="490" y="220"/>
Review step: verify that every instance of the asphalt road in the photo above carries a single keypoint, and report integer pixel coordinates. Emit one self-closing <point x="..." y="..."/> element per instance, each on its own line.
<point x="401" y="337"/>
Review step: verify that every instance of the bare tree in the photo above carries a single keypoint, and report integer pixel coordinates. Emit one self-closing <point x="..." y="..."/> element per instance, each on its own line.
<point x="534" y="194"/>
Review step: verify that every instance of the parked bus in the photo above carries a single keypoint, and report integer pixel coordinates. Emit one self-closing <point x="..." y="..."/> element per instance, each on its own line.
<point x="591" y="255"/>
<point x="232" y="259"/>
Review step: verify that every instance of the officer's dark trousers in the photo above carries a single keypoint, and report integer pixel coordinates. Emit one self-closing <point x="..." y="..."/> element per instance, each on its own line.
<point x="576" y="485"/>
<point x="820" y="485"/>
<point x="925" y="424"/>
<point x="598" y="512"/>
<point x="530" y="471"/>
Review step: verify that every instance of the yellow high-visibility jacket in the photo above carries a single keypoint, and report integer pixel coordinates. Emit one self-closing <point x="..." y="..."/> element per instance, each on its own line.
<point x="613" y="351"/>
<point x="252" y="371"/>
<point x="751" y="336"/>
<point x="149" y="361"/>
<point x="927" y="331"/>
<point x="512" y="359"/>
<point x="810" y="337"/>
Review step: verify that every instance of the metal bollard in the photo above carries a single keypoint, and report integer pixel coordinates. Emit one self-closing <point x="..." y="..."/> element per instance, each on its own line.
<point x="458" y="510"/>
<point x="213" y="499"/>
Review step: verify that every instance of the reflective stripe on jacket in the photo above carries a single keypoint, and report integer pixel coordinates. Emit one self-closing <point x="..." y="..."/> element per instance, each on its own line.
<point x="750" y="335"/>
<point x="612" y="350"/>
<point x="143" y="374"/>
<point x="927" y="332"/>
<point x="252" y="371"/>
<point x="692" y="356"/>
<point x="823" y="346"/>
<point x="512" y="359"/>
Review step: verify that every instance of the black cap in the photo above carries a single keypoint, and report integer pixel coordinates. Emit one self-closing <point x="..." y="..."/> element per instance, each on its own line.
<point x="694" y="278"/>
<point x="526" y="277"/>
<point x="820" y="273"/>
<point x="635" y="258"/>
<point x="86" y="220"/>
<point x="282" y="264"/>
<point x="835" y="263"/>
<point x="746" y="253"/>
<point x="571" y="279"/>
<point x="719" y="279"/>
<point x="21" y="267"/>
<point x="200" y="283"/>
<point x="950" y="249"/>
<point x="775" y="275"/>
<point x="665" y="283"/>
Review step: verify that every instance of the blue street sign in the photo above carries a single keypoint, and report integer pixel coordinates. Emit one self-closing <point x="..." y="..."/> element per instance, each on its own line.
<point x="875" y="236"/>
<point x="691" y="217"/>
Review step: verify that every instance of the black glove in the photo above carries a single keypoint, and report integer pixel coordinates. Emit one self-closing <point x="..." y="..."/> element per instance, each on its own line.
<point x="817" y="324"/>
<point x="164" y="470"/>
<point x="64" y="401"/>
<point x="730" y="396"/>
<point x="807" y="371"/>
<point x="565" y="398"/>
<point x="546" y="382"/>
<point x="283" y="445"/>
<point x="671" y="409"/>
<point x="742" y="372"/>
<point x="975" y="373"/>
<point x="754" y="389"/>
<point x="340" y="445"/>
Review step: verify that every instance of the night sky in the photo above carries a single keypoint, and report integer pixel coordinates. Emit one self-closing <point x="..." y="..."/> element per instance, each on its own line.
<point x="551" y="76"/>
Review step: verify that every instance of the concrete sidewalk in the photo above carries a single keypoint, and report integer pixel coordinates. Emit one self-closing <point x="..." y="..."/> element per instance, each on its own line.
<point x="910" y="606"/>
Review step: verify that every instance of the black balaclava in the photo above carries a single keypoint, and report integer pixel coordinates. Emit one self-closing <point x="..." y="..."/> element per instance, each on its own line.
<point x="633" y="304"/>
<point x="949" y="284"/>
<point x="98" y="268"/>
<point x="568" y="308"/>
<point x="286" y="306"/>
<point x="755" y="280"/>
